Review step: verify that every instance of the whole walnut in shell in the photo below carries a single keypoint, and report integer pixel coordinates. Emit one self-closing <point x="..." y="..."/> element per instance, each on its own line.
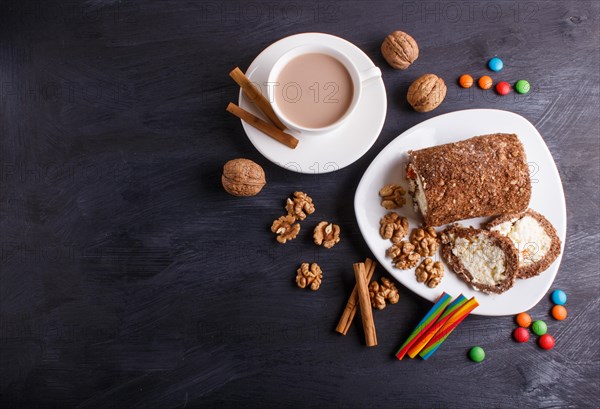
<point x="426" y="93"/>
<point x="243" y="177"/>
<point x="400" y="50"/>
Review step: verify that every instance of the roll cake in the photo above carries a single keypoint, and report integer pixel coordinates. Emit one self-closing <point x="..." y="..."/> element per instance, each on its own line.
<point x="534" y="238"/>
<point x="486" y="175"/>
<point x="486" y="260"/>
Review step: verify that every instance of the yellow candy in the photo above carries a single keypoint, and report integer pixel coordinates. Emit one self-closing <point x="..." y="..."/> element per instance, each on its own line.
<point x="559" y="312"/>
<point x="485" y="82"/>
<point x="465" y="81"/>
<point x="524" y="320"/>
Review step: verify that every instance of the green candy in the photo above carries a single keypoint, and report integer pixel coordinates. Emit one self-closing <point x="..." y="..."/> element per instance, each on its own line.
<point x="477" y="354"/>
<point x="522" y="87"/>
<point x="539" y="327"/>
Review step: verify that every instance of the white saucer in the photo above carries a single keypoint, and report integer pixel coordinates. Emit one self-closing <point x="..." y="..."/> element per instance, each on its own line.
<point x="326" y="152"/>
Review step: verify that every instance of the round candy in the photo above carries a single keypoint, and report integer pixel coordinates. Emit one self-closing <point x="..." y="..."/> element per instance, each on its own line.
<point x="477" y="354"/>
<point x="559" y="312"/>
<point x="523" y="320"/>
<point x="465" y="81"/>
<point x="503" y="88"/>
<point x="521" y="334"/>
<point x="495" y="64"/>
<point x="539" y="327"/>
<point x="485" y="82"/>
<point x="546" y="341"/>
<point x="522" y="87"/>
<point x="559" y="297"/>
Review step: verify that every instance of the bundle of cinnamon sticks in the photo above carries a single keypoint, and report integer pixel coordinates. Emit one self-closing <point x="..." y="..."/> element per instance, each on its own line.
<point x="274" y="129"/>
<point x="363" y="272"/>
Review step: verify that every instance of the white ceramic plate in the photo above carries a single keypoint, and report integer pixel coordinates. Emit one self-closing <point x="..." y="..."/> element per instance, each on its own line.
<point x="547" y="197"/>
<point x="338" y="148"/>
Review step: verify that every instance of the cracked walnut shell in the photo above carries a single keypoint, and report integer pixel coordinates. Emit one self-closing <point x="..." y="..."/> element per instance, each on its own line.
<point x="326" y="234"/>
<point x="430" y="272"/>
<point x="286" y="228"/>
<point x="393" y="227"/>
<point x="392" y="196"/>
<point x="426" y="93"/>
<point x="309" y="276"/>
<point x="243" y="177"/>
<point x="300" y="206"/>
<point x="404" y="256"/>
<point x="400" y="50"/>
<point x="379" y="293"/>
<point x="425" y="240"/>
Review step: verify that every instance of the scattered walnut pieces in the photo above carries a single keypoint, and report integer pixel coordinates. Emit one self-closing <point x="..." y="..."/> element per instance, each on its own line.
<point x="379" y="293"/>
<point x="300" y="206"/>
<point x="309" y="276"/>
<point x="286" y="228"/>
<point x="326" y="234"/>
<point x="430" y="272"/>
<point x="393" y="227"/>
<point x="404" y="255"/>
<point x="425" y="240"/>
<point x="392" y="196"/>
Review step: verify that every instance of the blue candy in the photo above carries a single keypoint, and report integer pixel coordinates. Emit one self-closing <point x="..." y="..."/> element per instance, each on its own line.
<point x="495" y="64"/>
<point x="559" y="297"/>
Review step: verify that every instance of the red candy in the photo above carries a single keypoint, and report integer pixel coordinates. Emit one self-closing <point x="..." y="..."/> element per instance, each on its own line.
<point x="503" y="88"/>
<point x="546" y="341"/>
<point x="521" y="335"/>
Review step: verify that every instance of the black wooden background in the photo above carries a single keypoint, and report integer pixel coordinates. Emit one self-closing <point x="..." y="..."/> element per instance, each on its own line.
<point x="130" y="279"/>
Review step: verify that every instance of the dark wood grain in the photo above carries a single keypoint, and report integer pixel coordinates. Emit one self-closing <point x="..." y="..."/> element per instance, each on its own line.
<point x="130" y="279"/>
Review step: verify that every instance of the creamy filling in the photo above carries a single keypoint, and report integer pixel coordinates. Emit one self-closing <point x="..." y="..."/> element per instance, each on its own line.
<point x="420" y="196"/>
<point x="528" y="236"/>
<point x="415" y="187"/>
<point x="479" y="255"/>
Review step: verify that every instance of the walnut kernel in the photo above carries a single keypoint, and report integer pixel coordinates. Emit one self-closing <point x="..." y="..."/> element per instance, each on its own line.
<point x="426" y="93"/>
<point x="379" y="293"/>
<point x="326" y="234"/>
<point x="243" y="177"/>
<point x="286" y="228"/>
<point x="393" y="227"/>
<point x="309" y="276"/>
<point x="430" y="272"/>
<point x="392" y="196"/>
<point x="400" y="50"/>
<point x="404" y="255"/>
<point x="425" y="240"/>
<point x="300" y="206"/>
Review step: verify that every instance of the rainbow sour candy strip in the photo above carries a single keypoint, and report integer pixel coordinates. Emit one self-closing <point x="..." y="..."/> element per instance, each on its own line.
<point x="427" y="321"/>
<point x="448" y="327"/>
<point x="424" y="339"/>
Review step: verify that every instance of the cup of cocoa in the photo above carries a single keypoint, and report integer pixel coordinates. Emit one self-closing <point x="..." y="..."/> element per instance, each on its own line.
<point x="315" y="89"/>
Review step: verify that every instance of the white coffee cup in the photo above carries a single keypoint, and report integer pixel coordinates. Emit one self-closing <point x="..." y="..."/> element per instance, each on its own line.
<point x="359" y="79"/>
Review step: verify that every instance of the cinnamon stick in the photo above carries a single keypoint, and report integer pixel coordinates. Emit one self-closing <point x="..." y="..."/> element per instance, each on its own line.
<point x="256" y="96"/>
<point x="366" y="312"/>
<point x="265" y="127"/>
<point x="350" y="310"/>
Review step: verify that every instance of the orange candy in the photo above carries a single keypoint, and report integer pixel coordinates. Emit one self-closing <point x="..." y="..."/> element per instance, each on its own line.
<point x="485" y="82"/>
<point x="524" y="320"/>
<point x="465" y="81"/>
<point x="559" y="312"/>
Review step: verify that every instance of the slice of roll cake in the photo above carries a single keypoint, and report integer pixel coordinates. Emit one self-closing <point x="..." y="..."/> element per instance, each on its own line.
<point x="486" y="175"/>
<point x="486" y="260"/>
<point x="534" y="238"/>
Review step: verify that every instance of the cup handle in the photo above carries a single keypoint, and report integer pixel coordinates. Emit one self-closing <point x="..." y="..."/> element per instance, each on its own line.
<point x="370" y="73"/>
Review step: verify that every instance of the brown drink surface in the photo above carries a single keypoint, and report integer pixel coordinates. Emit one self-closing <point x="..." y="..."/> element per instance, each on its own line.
<point x="314" y="90"/>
